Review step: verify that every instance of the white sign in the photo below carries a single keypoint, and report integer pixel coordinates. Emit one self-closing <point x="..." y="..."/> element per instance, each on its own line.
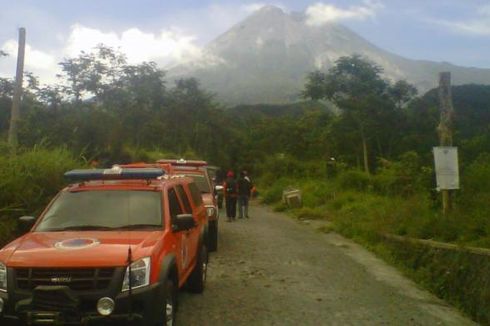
<point x="446" y="164"/>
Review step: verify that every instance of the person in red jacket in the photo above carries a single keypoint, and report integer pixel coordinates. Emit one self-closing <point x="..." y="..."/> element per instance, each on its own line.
<point x="230" y="193"/>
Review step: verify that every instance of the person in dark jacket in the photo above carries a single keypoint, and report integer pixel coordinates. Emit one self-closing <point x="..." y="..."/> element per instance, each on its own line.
<point x="230" y="192"/>
<point x="244" y="193"/>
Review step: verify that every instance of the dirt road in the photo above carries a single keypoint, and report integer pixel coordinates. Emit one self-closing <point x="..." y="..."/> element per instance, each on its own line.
<point x="272" y="270"/>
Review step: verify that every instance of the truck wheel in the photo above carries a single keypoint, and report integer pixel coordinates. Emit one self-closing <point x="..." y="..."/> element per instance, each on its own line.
<point x="197" y="279"/>
<point x="213" y="236"/>
<point x="169" y="303"/>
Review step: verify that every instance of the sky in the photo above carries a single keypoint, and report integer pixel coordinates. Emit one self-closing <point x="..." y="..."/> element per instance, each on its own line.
<point x="175" y="31"/>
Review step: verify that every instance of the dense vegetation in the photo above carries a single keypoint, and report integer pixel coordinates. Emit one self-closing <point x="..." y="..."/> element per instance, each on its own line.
<point x="106" y="110"/>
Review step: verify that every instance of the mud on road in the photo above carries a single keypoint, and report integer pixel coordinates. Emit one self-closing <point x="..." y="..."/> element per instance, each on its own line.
<point x="273" y="270"/>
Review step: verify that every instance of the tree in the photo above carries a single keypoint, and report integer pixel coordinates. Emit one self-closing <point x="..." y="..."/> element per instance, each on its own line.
<point x="92" y="74"/>
<point x="366" y="102"/>
<point x="402" y="93"/>
<point x="6" y="85"/>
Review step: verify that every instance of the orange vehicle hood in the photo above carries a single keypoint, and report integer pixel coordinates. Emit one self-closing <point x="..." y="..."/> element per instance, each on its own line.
<point x="78" y="249"/>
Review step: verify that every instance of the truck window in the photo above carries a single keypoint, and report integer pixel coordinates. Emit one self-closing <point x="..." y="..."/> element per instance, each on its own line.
<point x="185" y="200"/>
<point x="201" y="181"/>
<point x="173" y="203"/>
<point x="195" y="193"/>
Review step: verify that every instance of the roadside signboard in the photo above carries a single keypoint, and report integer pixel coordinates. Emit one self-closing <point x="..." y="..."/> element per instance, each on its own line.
<point x="446" y="167"/>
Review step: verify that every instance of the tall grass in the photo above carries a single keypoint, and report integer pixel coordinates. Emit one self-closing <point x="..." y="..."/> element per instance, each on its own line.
<point x="397" y="199"/>
<point x="28" y="180"/>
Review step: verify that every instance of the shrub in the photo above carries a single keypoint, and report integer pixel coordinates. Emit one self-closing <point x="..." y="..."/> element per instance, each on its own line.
<point x="316" y="192"/>
<point x="354" y="180"/>
<point x="476" y="177"/>
<point x="281" y="165"/>
<point x="404" y="177"/>
<point x="272" y="193"/>
<point x="30" y="178"/>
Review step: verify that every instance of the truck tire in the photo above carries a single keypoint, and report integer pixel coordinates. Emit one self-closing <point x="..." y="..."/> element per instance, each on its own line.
<point x="213" y="236"/>
<point x="197" y="279"/>
<point x="169" y="302"/>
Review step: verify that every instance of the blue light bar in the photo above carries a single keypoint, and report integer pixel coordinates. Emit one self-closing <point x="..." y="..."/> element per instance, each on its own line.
<point x="115" y="173"/>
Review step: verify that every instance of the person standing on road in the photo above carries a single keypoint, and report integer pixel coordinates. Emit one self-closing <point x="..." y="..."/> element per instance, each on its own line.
<point x="230" y="193"/>
<point x="244" y="192"/>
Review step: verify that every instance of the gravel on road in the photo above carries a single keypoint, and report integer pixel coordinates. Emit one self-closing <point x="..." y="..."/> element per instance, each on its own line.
<point x="273" y="270"/>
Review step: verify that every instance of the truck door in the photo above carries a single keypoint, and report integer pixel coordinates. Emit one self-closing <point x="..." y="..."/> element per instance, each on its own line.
<point x="193" y="234"/>
<point x="181" y="237"/>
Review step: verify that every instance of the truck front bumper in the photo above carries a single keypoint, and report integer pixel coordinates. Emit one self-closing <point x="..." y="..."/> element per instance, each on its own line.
<point x="144" y="306"/>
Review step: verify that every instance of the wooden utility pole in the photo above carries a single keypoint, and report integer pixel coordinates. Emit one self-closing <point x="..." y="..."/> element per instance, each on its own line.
<point x="15" y="113"/>
<point x="445" y="126"/>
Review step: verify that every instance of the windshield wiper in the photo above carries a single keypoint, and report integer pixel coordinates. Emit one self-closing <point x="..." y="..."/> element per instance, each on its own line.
<point x="80" y="228"/>
<point x="138" y="226"/>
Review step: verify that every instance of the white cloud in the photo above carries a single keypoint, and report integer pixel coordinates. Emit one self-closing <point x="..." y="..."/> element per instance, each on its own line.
<point x="42" y="64"/>
<point x="33" y="58"/>
<point x="321" y="13"/>
<point x="170" y="46"/>
<point x="479" y="25"/>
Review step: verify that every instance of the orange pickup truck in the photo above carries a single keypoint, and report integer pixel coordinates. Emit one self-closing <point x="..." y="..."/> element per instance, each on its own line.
<point x="114" y="246"/>
<point x="198" y="171"/>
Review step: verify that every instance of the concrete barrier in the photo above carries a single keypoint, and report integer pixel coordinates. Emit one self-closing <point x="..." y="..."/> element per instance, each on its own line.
<point x="455" y="273"/>
<point x="292" y="197"/>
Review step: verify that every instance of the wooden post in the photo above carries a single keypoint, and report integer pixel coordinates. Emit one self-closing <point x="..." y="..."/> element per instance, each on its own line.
<point x="15" y="113"/>
<point x="445" y="126"/>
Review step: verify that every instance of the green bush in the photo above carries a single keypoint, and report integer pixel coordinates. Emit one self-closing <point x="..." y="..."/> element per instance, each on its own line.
<point x="31" y="178"/>
<point x="315" y="192"/>
<point x="404" y="177"/>
<point x="272" y="193"/>
<point x="354" y="180"/>
<point x="476" y="178"/>
<point x="281" y="166"/>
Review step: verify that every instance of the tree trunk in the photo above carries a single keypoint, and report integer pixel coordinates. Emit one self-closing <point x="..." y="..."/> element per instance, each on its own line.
<point x="365" y="152"/>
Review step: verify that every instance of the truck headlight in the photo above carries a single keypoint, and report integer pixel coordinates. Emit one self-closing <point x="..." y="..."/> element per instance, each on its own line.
<point x="140" y="274"/>
<point x="3" y="277"/>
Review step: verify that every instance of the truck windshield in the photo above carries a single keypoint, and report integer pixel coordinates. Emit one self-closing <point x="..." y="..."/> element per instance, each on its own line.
<point x="103" y="210"/>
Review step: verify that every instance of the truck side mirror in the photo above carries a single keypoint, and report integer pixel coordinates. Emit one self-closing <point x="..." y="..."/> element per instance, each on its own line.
<point x="183" y="222"/>
<point x="26" y="223"/>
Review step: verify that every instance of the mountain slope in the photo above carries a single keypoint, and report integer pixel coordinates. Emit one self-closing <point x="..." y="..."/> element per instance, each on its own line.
<point x="265" y="58"/>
